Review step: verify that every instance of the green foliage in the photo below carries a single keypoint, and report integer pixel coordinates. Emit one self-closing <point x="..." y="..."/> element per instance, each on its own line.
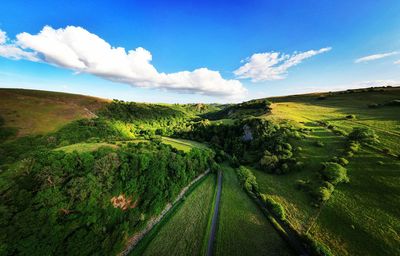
<point x="268" y="161"/>
<point x="249" y="141"/>
<point x="324" y="192"/>
<point x="74" y="132"/>
<point x="246" y="109"/>
<point x="363" y="135"/>
<point x="275" y="207"/>
<point x="248" y="180"/>
<point x="334" y="173"/>
<point x="61" y="203"/>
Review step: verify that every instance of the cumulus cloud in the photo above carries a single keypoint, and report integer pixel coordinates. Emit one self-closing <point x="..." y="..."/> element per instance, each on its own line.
<point x="77" y="49"/>
<point x="375" y="57"/>
<point x="273" y="65"/>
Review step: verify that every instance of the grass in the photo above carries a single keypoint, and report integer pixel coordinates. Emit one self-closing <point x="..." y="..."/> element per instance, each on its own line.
<point x="362" y="217"/>
<point x="184" y="145"/>
<point x="185" y="232"/>
<point x="243" y="229"/>
<point x="40" y="112"/>
<point x="85" y="147"/>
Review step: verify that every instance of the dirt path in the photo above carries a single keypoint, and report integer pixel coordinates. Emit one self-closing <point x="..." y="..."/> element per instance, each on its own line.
<point x="215" y="217"/>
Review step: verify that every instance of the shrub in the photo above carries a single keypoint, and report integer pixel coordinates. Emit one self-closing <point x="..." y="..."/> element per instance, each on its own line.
<point x="275" y="207"/>
<point x="349" y="154"/>
<point x="247" y="179"/>
<point x="343" y="161"/>
<point x="354" y="146"/>
<point x="324" y="192"/>
<point x="319" y="144"/>
<point x="268" y="161"/>
<point x="299" y="149"/>
<point x="363" y="135"/>
<point x="334" y="173"/>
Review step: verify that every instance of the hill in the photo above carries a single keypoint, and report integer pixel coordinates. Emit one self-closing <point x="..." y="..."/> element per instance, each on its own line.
<point x="85" y="175"/>
<point x="40" y="112"/>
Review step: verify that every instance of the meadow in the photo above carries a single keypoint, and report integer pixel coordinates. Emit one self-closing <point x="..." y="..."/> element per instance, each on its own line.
<point x="184" y="233"/>
<point x="242" y="228"/>
<point x="361" y="217"/>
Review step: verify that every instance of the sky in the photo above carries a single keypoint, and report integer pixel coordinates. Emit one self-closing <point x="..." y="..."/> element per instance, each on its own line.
<point x="198" y="51"/>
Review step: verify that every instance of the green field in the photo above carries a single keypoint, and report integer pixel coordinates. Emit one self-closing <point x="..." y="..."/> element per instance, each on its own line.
<point x="243" y="229"/>
<point x="85" y="147"/>
<point x="185" y="233"/>
<point x="361" y="217"/>
<point x="181" y="144"/>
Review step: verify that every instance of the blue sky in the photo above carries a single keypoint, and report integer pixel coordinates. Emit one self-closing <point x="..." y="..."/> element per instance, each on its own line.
<point x="217" y="35"/>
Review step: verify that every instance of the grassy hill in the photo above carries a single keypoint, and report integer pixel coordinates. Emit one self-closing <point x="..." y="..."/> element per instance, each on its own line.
<point x="288" y="143"/>
<point x="40" y="112"/>
<point x="361" y="217"/>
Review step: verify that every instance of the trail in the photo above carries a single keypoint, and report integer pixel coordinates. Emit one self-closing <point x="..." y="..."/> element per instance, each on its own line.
<point x="215" y="217"/>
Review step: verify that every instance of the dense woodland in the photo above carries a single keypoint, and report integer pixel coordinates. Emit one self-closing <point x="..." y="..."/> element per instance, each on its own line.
<point x="88" y="203"/>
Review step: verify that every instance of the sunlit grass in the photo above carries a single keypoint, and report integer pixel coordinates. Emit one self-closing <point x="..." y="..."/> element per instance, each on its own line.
<point x="243" y="229"/>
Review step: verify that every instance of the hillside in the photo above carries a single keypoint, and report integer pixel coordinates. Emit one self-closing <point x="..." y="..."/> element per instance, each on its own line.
<point x="39" y="112"/>
<point x="314" y="174"/>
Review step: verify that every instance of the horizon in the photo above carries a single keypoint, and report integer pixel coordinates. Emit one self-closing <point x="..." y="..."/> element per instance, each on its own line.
<point x="204" y="52"/>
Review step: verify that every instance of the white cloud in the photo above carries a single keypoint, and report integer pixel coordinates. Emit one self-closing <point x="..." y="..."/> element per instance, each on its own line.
<point x="77" y="49"/>
<point x="273" y="65"/>
<point x="397" y="62"/>
<point x="3" y="37"/>
<point x="375" y="57"/>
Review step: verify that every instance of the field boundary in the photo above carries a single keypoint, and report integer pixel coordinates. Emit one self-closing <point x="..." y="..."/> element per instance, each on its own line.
<point x="291" y="236"/>
<point x="167" y="212"/>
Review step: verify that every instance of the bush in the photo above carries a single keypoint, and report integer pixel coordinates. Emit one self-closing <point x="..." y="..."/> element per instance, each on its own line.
<point x="334" y="173"/>
<point x="268" y="162"/>
<point x="354" y="146"/>
<point x="319" y="144"/>
<point x="247" y="179"/>
<point x="350" y="117"/>
<point x="275" y="207"/>
<point x="325" y="191"/>
<point x="363" y="135"/>
<point x="343" y="161"/>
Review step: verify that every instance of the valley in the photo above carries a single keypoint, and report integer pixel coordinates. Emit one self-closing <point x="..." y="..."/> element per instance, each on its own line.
<point x="82" y="175"/>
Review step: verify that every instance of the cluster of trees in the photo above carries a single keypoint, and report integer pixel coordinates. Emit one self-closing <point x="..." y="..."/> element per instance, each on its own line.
<point x="74" y="132"/>
<point x="249" y="183"/>
<point x="151" y="119"/>
<point x="62" y="203"/>
<point x="249" y="108"/>
<point x="249" y="141"/>
<point x="334" y="171"/>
